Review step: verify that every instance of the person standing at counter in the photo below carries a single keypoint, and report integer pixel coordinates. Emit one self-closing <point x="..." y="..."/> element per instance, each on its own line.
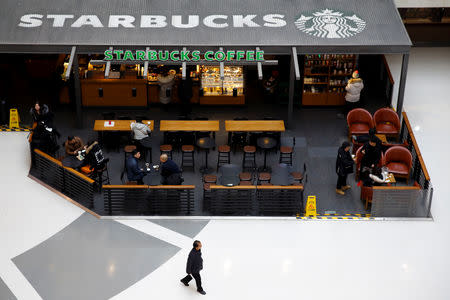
<point x="140" y="130"/>
<point x="353" y="88"/>
<point x="166" y="80"/>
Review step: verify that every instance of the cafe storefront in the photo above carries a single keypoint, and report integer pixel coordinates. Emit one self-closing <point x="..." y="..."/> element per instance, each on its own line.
<point x="117" y="53"/>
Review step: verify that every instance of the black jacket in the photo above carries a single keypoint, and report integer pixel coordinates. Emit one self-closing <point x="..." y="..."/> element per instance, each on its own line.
<point x="344" y="162"/>
<point x="372" y="155"/>
<point x="195" y="262"/>
<point x="169" y="167"/>
<point x="133" y="171"/>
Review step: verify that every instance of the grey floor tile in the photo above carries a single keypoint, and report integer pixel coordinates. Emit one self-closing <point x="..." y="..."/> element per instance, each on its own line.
<point x="5" y="292"/>
<point x="92" y="259"/>
<point x="189" y="228"/>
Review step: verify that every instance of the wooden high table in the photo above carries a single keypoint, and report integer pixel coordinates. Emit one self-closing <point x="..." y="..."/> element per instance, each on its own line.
<point x="254" y="126"/>
<point x="119" y="125"/>
<point x="188" y="125"/>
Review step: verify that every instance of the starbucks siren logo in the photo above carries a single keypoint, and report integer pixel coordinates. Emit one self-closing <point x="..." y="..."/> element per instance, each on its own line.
<point x="330" y="24"/>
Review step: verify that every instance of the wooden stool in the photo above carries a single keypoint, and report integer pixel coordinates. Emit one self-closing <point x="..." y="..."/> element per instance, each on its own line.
<point x="264" y="178"/>
<point x="286" y="155"/>
<point x="187" y="156"/>
<point x="206" y="196"/>
<point x="223" y="156"/>
<point x="209" y="178"/>
<point x="166" y="149"/>
<point x="298" y="176"/>
<point x="266" y="183"/>
<point x="245" y="182"/>
<point x="146" y="145"/>
<point x="245" y="176"/>
<point x="249" y="160"/>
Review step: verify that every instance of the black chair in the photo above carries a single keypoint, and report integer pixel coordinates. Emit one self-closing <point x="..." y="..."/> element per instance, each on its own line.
<point x="101" y="174"/>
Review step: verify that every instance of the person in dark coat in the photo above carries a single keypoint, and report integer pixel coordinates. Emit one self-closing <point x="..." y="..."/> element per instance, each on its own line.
<point x="194" y="266"/>
<point x="372" y="154"/>
<point x="170" y="172"/>
<point x="41" y="113"/>
<point x="134" y="173"/>
<point x="344" y="166"/>
<point x="366" y="137"/>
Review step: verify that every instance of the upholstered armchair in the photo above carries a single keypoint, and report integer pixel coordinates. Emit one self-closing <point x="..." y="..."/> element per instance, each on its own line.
<point x="359" y="122"/>
<point x="398" y="160"/>
<point x="387" y="122"/>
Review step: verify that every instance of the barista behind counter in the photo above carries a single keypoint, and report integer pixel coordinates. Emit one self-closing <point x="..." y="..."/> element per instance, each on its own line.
<point x="124" y="87"/>
<point x="163" y="84"/>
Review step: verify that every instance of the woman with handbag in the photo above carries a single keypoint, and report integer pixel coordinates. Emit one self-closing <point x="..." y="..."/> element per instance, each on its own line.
<point x="344" y="166"/>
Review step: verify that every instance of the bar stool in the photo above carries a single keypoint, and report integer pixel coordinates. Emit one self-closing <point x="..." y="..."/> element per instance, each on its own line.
<point x="264" y="177"/>
<point x="298" y="176"/>
<point x="286" y="155"/>
<point x="224" y="156"/>
<point x="245" y="176"/>
<point x="249" y="160"/>
<point x="206" y="196"/>
<point x="166" y="149"/>
<point x="243" y="182"/>
<point x="209" y="178"/>
<point x="187" y="156"/>
<point x="102" y="175"/>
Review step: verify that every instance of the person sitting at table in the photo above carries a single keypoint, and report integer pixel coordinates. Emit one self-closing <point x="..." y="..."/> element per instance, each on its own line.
<point x="134" y="173"/>
<point x="229" y="175"/>
<point x="366" y="137"/>
<point x="372" y="176"/>
<point x="372" y="154"/>
<point x="140" y="130"/>
<point x="170" y="172"/>
<point x="73" y="145"/>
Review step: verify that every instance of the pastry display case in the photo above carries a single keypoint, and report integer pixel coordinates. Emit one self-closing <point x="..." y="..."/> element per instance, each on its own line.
<point x="217" y="91"/>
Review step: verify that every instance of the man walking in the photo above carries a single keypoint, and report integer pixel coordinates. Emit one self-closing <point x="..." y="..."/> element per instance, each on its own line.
<point x="193" y="267"/>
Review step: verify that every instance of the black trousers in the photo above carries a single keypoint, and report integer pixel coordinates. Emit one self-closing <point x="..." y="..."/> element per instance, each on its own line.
<point x="198" y="280"/>
<point x="342" y="181"/>
<point x="350" y="106"/>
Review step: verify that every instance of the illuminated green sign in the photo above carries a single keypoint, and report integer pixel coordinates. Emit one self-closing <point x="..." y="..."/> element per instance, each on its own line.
<point x="184" y="55"/>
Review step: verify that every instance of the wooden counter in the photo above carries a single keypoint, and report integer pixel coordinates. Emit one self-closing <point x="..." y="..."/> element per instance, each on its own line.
<point x="119" y="125"/>
<point x="255" y="125"/>
<point x="114" y="92"/>
<point x="167" y="125"/>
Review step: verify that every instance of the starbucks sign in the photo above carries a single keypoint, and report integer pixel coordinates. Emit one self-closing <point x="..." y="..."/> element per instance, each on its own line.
<point x="330" y="24"/>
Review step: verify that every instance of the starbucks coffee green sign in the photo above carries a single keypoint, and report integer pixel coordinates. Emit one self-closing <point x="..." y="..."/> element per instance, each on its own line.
<point x="184" y="55"/>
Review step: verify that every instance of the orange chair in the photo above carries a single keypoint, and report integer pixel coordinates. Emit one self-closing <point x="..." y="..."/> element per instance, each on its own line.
<point x="387" y="122"/>
<point x="398" y="160"/>
<point x="359" y="122"/>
